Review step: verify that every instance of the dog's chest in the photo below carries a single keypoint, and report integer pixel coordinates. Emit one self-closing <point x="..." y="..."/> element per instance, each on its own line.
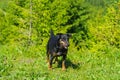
<point x="61" y="52"/>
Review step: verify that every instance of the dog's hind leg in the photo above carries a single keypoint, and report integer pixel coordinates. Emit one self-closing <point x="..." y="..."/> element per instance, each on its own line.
<point x="47" y="56"/>
<point x="50" y="61"/>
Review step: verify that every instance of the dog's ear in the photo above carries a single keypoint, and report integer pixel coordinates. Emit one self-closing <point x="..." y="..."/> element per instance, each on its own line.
<point x="51" y="33"/>
<point x="69" y="35"/>
<point x="58" y="35"/>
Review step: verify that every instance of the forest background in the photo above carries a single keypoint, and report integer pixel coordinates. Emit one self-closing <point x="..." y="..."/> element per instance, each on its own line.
<point x="94" y="51"/>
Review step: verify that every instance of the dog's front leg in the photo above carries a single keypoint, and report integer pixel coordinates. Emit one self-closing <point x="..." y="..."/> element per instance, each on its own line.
<point x="63" y="62"/>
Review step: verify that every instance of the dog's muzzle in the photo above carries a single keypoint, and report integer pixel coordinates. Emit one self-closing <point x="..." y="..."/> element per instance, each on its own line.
<point x="64" y="44"/>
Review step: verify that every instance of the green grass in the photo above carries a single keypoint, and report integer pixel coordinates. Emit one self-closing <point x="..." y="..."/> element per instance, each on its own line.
<point x="20" y="63"/>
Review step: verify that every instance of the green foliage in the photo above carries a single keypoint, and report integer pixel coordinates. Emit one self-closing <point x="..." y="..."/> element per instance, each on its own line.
<point x="104" y="28"/>
<point x="75" y="17"/>
<point x="16" y="62"/>
<point x="94" y="45"/>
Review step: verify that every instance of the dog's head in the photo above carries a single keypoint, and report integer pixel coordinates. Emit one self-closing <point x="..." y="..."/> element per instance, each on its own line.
<point x="63" y="40"/>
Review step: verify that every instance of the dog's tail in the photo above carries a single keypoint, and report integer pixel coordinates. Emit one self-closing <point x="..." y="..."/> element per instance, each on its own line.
<point x="51" y="33"/>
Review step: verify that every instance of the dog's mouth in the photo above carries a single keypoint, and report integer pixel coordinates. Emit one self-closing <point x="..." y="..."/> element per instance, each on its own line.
<point x="63" y="44"/>
<point x="66" y="47"/>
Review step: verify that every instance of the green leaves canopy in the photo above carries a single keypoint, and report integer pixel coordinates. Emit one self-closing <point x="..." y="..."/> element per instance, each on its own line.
<point x="83" y="18"/>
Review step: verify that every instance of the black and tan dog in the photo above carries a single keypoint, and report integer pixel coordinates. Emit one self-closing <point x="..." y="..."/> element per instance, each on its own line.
<point x="57" y="46"/>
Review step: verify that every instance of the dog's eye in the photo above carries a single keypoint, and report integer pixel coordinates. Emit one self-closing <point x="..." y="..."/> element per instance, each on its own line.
<point x="64" y="38"/>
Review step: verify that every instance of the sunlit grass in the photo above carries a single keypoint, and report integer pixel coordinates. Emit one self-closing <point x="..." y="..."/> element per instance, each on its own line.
<point x="30" y="64"/>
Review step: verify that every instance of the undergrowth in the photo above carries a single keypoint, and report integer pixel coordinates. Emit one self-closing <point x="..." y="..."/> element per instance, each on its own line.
<point x="18" y="63"/>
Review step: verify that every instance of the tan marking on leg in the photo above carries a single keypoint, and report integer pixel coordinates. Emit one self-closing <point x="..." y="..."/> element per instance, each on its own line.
<point x="63" y="65"/>
<point x="49" y="66"/>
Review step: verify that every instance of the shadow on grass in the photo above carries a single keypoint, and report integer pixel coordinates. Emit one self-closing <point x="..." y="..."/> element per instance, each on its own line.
<point x="69" y="64"/>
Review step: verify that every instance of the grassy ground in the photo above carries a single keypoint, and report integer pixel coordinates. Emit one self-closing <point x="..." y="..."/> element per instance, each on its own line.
<point x="30" y="64"/>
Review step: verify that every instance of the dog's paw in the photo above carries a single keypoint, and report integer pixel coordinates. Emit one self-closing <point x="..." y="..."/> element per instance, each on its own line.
<point x="50" y="68"/>
<point x="63" y="69"/>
